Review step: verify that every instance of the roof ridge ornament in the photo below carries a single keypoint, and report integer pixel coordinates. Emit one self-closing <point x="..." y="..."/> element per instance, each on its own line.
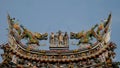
<point x="59" y="40"/>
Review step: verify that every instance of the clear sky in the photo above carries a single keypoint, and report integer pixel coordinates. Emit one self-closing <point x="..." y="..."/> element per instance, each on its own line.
<point x="66" y="15"/>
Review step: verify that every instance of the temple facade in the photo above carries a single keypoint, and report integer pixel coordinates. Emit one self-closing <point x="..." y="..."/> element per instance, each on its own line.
<point x="95" y="48"/>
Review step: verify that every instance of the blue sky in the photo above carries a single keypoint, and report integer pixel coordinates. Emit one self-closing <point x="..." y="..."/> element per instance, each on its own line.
<point x="66" y="15"/>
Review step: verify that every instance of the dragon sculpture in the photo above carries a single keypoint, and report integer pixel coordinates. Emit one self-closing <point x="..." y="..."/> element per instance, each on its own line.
<point x="23" y="33"/>
<point x="96" y="32"/>
<point x="33" y="37"/>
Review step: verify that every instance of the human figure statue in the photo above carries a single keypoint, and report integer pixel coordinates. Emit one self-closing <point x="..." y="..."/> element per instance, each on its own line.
<point x="55" y="39"/>
<point x="52" y="38"/>
<point x="66" y="39"/>
<point x="60" y="38"/>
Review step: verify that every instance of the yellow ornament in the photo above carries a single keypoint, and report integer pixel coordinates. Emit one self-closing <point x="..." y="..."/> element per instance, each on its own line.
<point x="16" y="26"/>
